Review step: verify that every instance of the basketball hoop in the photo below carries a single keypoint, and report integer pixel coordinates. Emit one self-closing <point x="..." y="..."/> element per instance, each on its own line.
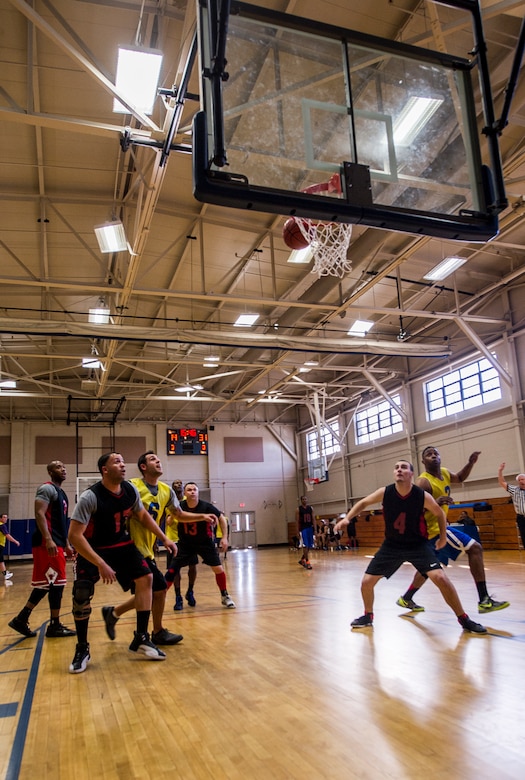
<point x="329" y="240"/>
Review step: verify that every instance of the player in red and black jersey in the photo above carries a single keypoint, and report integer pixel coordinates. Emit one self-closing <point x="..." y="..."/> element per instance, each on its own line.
<point x="198" y="538"/>
<point x="50" y="548"/>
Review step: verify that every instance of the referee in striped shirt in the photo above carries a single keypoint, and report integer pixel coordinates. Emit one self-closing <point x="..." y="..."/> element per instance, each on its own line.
<point x="517" y="493"/>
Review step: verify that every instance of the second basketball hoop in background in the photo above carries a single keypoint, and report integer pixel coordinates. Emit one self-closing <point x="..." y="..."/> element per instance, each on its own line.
<point x="293" y="235"/>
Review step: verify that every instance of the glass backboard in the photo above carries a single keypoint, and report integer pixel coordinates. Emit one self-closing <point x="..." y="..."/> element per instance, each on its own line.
<point x="302" y="102"/>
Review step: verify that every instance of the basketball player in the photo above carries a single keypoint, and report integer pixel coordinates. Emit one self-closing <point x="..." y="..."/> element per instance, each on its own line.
<point x="172" y="532"/>
<point x="98" y="532"/>
<point x="406" y="540"/>
<point x="304" y="517"/>
<point x="197" y="539"/>
<point x="157" y="498"/>
<point x="436" y="480"/>
<point x="50" y="549"/>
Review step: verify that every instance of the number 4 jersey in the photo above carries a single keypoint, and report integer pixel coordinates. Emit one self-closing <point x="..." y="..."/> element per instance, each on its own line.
<point x="404" y="516"/>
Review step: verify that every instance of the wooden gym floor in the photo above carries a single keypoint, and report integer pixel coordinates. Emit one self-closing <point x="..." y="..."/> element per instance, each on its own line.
<point x="279" y="688"/>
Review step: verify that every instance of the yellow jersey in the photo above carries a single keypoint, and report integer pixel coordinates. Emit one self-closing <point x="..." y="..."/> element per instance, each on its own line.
<point x="172" y="528"/>
<point x="156" y="506"/>
<point x="440" y="487"/>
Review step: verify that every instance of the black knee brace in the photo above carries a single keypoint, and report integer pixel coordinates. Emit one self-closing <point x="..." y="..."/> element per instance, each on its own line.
<point x="83" y="591"/>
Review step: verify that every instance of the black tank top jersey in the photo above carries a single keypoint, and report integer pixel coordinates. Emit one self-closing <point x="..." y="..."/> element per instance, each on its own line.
<point x="56" y="519"/>
<point x="108" y="526"/>
<point x="199" y="531"/>
<point x="404" y="516"/>
<point x="306" y="517"/>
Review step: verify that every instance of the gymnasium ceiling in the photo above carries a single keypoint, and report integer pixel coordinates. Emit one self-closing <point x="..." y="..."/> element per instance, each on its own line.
<point x="193" y="268"/>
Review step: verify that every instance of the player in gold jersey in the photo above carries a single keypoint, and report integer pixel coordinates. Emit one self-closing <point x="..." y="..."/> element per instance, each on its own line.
<point x="436" y="480"/>
<point x="157" y="498"/>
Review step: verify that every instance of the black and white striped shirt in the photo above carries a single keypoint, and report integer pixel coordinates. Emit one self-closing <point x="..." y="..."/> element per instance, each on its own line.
<point x="518" y="498"/>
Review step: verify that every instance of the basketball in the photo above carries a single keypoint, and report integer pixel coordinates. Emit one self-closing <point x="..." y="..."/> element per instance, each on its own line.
<point x="292" y="235"/>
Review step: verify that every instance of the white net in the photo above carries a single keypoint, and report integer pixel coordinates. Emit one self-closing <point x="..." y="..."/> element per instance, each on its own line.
<point x="330" y="242"/>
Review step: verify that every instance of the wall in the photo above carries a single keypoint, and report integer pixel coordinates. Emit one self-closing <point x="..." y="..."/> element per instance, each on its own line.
<point x="269" y="487"/>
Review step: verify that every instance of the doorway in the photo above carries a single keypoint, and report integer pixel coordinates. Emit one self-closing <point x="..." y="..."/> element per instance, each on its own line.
<point x="242" y="530"/>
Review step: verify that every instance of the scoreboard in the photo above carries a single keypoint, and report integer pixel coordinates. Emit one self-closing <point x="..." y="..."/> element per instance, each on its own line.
<point x="187" y="441"/>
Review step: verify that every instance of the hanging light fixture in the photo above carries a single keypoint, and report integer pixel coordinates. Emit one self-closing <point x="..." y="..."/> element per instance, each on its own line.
<point x="111" y="236"/>
<point x="445" y="268"/>
<point x="138" y="71"/>
<point x="246" y="320"/>
<point x="6" y="384"/>
<point x="100" y="314"/>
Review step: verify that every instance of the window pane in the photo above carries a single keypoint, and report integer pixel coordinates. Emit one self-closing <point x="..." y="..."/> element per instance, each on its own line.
<point x="380" y="420"/>
<point x="472" y="385"/>
<point x="329" y="443"/>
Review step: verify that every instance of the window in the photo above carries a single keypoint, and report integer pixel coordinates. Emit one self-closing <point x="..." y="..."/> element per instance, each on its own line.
<point x="329" y="444"/>
<point x="473" y="385"/>
<point x="378" y="421"/>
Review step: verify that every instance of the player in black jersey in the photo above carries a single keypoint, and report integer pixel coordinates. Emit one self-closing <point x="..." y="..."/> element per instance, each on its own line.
<point x="406" y="539"/>
<point x="198" y="538"/>
<point x="99" y="533"/>
<point x="304" y="518"/>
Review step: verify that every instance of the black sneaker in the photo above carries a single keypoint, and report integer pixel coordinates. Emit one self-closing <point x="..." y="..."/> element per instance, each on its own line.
<point x="58" y="629"/>
<point x="190" y="598"/>
<point x="468" y="625"/>
<point x="179" y="604"/>
<point x="491" y="605"/>
<point x="365" y="621"/>
<point x="165" y="637"/>
<point x="80" y="659"/>
<point x="21" y="627"/>
<point x="144" y="647"/>
<point x="409" y="604"/>
<point x="110" y="620"/>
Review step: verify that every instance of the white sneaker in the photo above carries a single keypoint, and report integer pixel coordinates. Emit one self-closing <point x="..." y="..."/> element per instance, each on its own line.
<point x="8" y="575"/>
<point x="228" y="601"/>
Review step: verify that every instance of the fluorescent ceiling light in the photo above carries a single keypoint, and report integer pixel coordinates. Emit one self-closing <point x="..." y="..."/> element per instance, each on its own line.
<point x="246" y="320"/>
<point x="311" y="363"/>
<point x="111" y="236"/>
<point x="213" y="358"/>
<point x="413" y="118"/>
<point x="91" y="362"/>
<point x="8" y="383"/>
<point x="301" y="255"/>
<point x="184" y="389"/>
<point x="360" y="328"/>
<point x="138" y="73"/>
<point x="210" y="364"/>
<point x="99" y="316"/>
<point x="445" y="268"/>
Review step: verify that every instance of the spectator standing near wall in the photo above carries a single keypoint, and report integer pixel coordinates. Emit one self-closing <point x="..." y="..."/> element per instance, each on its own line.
<point x="517" y="493"/>
<point x="5" y="536"/>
